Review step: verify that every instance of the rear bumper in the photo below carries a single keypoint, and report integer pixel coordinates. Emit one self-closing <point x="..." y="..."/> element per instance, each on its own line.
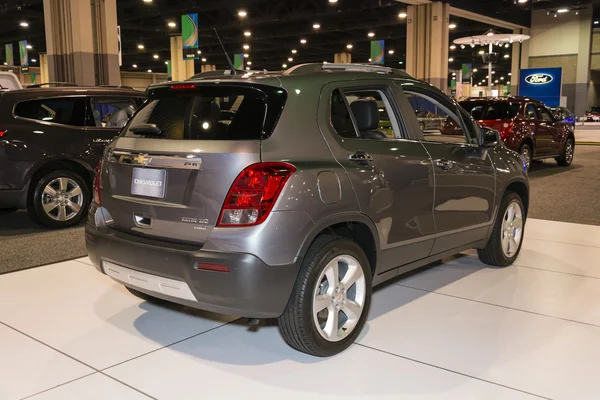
<point x="251" y="288"/>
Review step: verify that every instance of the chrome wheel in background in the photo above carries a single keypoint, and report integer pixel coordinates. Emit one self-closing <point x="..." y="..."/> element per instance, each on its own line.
<point x="62" y="199"/>
<point x="526" y="154"/>
<point x="339" y="298"/>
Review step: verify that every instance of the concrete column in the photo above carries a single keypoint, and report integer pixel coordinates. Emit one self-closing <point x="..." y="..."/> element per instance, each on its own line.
<point x="207" y="68"/>
<point x="520" y="60"/>
<point x="564" y="41"/>
<point x="427" y="42"/>
<point x="342" y="58"/>
<point x="43" y="58"/>
<point x="181" y="69"/>
<point x="81" y="41"/>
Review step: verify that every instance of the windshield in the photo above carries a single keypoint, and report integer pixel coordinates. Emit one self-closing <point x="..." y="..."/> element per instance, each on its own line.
<point x="487" y="111"/>
<point x="211" y="113"/>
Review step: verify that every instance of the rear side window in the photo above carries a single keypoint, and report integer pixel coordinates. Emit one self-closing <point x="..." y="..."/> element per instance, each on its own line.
<point x="491" y="110"/>
<point x="212" y="113"/>
<point x="60" y="110"/>
<point x="111" y="112"/>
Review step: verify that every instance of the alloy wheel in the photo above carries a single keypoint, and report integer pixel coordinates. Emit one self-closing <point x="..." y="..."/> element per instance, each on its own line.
<point x="339" y="298"/>
<point x="62" y="199"/>
<point x="569" y="150"/>
<point x="512" y="229"/>
<point x="526" y="154"/>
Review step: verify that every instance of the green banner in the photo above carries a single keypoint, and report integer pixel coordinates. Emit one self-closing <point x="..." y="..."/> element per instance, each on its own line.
<point x="24" y="53"/>
<point x="238" y="61"/>
<point x="467" y="73"/>
<point x="170" y="70"/>
<point x="8" y="51"/>
<point x="378" y="52"/>
<point x="189" y="36"/>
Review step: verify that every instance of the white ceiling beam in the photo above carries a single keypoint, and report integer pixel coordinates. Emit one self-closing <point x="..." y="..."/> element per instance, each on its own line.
<point x="414" y="2"/>
<point x="457" y="12"/>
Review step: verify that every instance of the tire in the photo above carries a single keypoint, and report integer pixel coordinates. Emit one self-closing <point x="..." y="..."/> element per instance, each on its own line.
<point x="61" y="184"/>
<point x="568" y="153"/>
<point x="298" y="323"/>
<point x="524" y="151"/>
<point x="146" y="297"/>
<point x="493" y="253"/>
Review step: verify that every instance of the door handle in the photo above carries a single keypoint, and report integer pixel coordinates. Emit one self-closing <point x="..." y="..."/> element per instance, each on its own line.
<point x="360" y="156"/>
<point x="443" y="164"/>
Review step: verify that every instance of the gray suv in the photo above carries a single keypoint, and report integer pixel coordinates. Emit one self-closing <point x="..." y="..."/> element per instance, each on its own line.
<point x="290" y="195"/>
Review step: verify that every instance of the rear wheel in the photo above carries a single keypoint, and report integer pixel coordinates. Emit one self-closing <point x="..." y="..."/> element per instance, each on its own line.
<point x="527" y="155"/>
<point x="566" y="158"/>
<point x="59" y="199"/>
<point x="330" y="301"/>
<point x="505" y="242"/>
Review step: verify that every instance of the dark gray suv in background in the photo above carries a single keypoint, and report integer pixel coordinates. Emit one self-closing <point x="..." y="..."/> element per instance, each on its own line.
<point x="290" y="195"/>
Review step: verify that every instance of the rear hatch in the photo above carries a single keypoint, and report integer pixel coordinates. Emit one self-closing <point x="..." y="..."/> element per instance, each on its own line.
<point x="494" y="114"/>
<point x="168" y="174"/>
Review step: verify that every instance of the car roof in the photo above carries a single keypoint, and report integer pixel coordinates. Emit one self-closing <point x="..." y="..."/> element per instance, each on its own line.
<point x="72" y="91"/>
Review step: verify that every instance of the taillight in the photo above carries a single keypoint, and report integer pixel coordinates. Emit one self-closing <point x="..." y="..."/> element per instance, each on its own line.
<point x="183" y="86"/>
<point x="98" y="184"/>
<point x="506" y="131"/>
<point x="2" y="133"/>
<point x="254" y="193"/>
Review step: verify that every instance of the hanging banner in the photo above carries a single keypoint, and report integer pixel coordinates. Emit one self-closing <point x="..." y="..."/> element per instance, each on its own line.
<point x="24" y="53"/>
<point x="170" y="70"/>
<point x="378" y="52"/>
<point x="8" y="50"/>
<point x="238" y="61"/>
<point x="467" y="73"/>
<point x="119" y="45"/>
<point x="189" y="36"/>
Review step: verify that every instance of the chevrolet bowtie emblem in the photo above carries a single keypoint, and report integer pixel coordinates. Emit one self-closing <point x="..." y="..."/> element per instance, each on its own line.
<point x="142" y="159"/>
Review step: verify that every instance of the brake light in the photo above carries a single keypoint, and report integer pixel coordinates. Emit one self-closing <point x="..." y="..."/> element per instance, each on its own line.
<point x="98" y="183"/>
<point x="506" y="131"/>
<point x="254" y="193"/>
<point x="2" y="133"/>
<point x="183" y="86"/>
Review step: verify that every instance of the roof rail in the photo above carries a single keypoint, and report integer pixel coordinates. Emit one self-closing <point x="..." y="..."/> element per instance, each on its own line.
<point x="52" y="84"/>
<point x="318" y="67"/>
<point x="226" y="73"/>
<point x="117" y="86"/>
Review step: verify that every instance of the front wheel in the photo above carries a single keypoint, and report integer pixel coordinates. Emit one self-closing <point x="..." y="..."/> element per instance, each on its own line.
<point x="566" y="158"/>
<point x="331" y="299"/>
<point x="526" y="154"/>
<point x="504" y="245"/>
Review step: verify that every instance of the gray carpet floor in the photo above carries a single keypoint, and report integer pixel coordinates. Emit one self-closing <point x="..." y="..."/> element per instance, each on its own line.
<point x="559" y="194"/>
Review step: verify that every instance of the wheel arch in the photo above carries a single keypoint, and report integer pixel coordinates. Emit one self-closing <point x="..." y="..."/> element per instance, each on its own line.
<point x="83" y="170"/>
<point x="522" y="189"/>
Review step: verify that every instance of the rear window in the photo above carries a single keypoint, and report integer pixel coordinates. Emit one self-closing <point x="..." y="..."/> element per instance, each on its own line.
<point x="488" y="111"/>
<point x="60" y="110"/>
<point x="212" y="112"/>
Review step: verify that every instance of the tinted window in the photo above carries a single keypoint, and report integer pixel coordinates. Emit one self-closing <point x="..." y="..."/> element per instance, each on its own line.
<point x="213" y="113"/>
<point x="530" y="112"/>
<point x="491" y="110"/>
<point x="66" y="110"/>
<point x="595" y="109"/>
<point x="111" y="112"/>
<point x="438" y="122"/>
<point x="544" y="114"/>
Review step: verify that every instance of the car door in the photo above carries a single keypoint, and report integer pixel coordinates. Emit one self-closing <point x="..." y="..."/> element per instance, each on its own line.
<point x="392" y="175"/>
<point x="106" y="117"/>
<point x="464" y="205"/>
<point x="543" y="131"/>
<point x="555" y="130"/>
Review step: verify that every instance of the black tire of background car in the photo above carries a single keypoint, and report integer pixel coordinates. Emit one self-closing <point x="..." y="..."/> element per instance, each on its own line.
<point x="34" y="204"/>
<point x="492" y="253"/>
<point x="146" y="297"/>
<point x="296" y="323"/>
<point x="562" y="160"/>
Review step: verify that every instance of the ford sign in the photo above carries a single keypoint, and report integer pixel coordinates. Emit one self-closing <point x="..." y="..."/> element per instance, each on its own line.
<point x="539" y="79"/>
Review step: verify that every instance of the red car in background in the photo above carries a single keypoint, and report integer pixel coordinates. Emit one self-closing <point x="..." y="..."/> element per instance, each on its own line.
<point x="526" y="126"/>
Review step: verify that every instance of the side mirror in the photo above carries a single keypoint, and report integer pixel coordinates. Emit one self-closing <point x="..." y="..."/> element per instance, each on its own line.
<point x="490" y="137"/>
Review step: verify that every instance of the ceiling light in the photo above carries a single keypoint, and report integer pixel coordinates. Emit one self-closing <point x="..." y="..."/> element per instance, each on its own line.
<point x="29" y="46"/>
<point x="454" y="74"/>
<point x="203" y="59"/>
<point x="284" y="65"/>
<point x="172" y="24"/>
<point x="249" y="62"/>
<point x="493" y="72"/>
<point x="496" y="81"/>
<point x="199" y="51"/>
<point x="507" y="45"/>
<point x="290" y="59"/>
<point x="294" y="51"/>
<point x="242" y="13"/>
<point x="501" y="78"/>
<point x="150" y="70"/>
<point x="481" y="52"/>
<point x="33" y="60"/>
<point x="166" y="63"/>
<point x="371" y="34"/>
<point x="562" y="10"/>
<point x="147" y="1"/>
<point x="452" y="47"/>
<point x="246" y="47"/>
<point x="333" y="1"/>
<point x="247" y="33"/>
<point x="24" y="24"/>
<point x="462" y="46"/>
<point x="522" y="1"/>
<point x="451" y="59"/>
<point x="452" y="26"/>
<point x="155" y="56"/>
<point x="370" y="60"/>
<point x="140" y="46"/>
<point x="349" y="46"/>
<point x="402" y="15"/>
<point x="507" y="56"/>
<point x="596" y="22"/>
<point x="316" y="26"/>
<point x="391" y="52"/>
<point x="247" y="68"/>
<point x="325" y="62"/>
<point x="510" y="73"/>
<point x="475" y="70"/>
<point x="246" y="55"/>
<point x="401" y="62"/>
<point x="303" y="41"/>
<point x="134" y="65"/>
<point x="508" y="82"/>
